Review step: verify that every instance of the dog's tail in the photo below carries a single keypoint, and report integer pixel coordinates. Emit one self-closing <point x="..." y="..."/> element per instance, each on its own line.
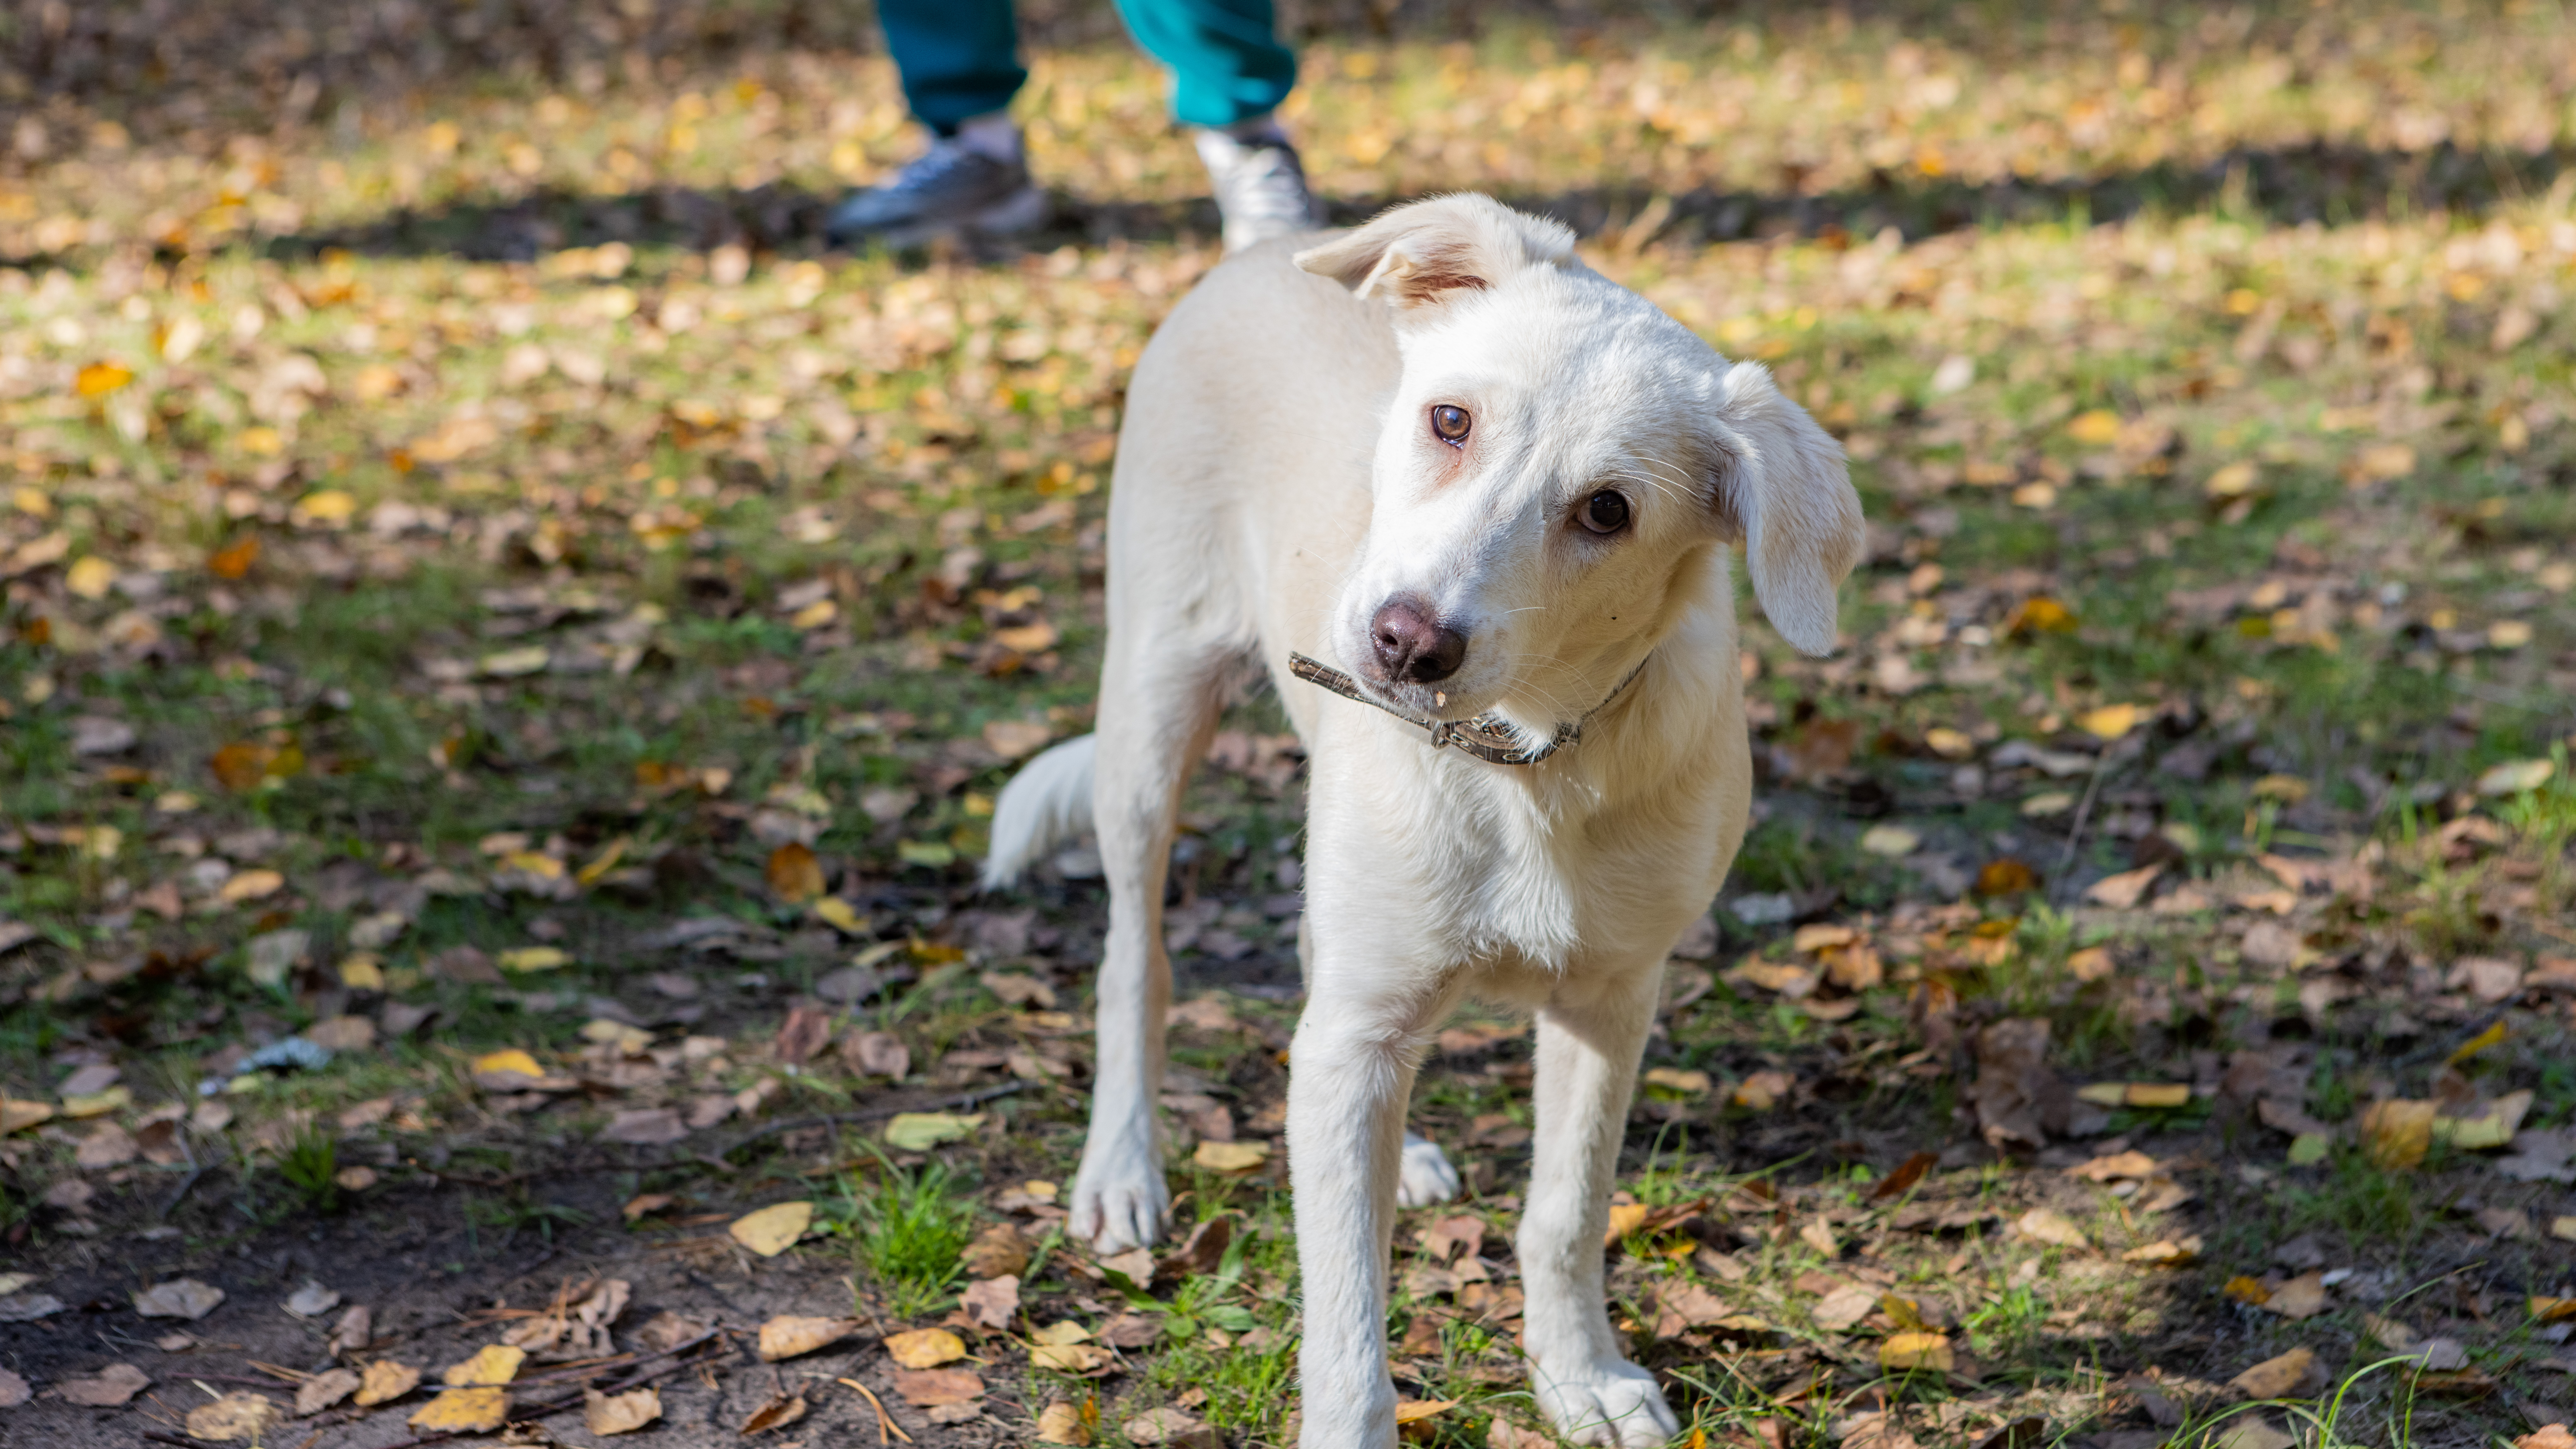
<point x="1047" y="802"/>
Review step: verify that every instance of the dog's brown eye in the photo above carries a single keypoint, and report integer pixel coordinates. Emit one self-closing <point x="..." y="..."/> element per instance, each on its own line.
<point x="1604" y="512"/>
<point x="1450" y="423"/>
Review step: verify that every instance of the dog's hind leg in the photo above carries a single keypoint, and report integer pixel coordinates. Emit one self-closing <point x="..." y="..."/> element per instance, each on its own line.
<point x="1159" y="701"/>
<point x="1425" y="1176"/>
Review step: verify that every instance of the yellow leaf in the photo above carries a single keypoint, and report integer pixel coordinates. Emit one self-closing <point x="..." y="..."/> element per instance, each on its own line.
<point x="532" y="958"/>
<point x="2491" y="1127"/>
<point x="2248" y="1290"/>
<point x="98" y="1104"/>
<point x="251" y="885"/>
<point x="794" y="873"/>
<point x="925" y="1348"/>
<point x="2517" y="776"/>
<point x="1679" y="1080"/>
<point x="2097" y="428"/>
<point x="1625" y="1218"/>
<point x="840" y="915"/>
<point x="535" y="863"/>
<point x="1231" y="1156"/>
<point x="2288" y="789"/>
<point x="815" y="615"/>
<point x="1910" y="1352"/>
<point x="234" y="1418"/>
<point x="2110" y="722"/>
<point x="464" y="1411"/>
<point x="493" y="1364"/>
<point x="2232" y="481"/>
<point x="604" y="862"/>
<point x="514" y="663"/>
<point x="508" y="1070"/>
<point x="328" y="507"/>
<point x="386" y="1380"/>
<point x="260" y="442"/>
<point x="2397" y="1133"/>
<point x="2166" y="1253"/>
<point x="90" y="577"/>
<point x="773" y="1229"/>
<point x="2167" y="1095"/>
<point x="101" y="378"/>
<point x="1060" y="1333"/>
<point x="1412" y="1410"/>
<point x="922" y="1131"/>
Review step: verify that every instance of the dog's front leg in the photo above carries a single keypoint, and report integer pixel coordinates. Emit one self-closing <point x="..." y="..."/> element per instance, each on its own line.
<point x="1350" y="1075"/>
<point x="1589" y="1037"/>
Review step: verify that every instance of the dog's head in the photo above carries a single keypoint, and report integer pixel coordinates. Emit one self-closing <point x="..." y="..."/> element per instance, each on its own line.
<point x="1561" y="468"/>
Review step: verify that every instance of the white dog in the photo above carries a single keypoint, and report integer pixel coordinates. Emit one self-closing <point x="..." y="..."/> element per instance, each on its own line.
<point x="1498" y="490"/>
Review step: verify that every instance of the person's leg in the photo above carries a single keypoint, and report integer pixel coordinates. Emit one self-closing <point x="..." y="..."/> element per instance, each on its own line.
<point x="959" y="59"/>
<point x="1227" y="66"/>
<point x="960" y="64"/>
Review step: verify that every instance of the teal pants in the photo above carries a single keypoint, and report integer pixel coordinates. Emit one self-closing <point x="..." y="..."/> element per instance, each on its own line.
<point x="961" y="58"/>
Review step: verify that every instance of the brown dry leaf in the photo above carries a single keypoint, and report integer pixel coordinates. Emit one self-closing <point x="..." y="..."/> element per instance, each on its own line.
<point x="492" y="1365"/>
<point x="1907" y="1174"/>
<point x="2274" y="1378"/>
<point x="14" y="1390"/>
<point x="180" y="1298"/>
<point x="323" y="1390"/>
<point x="107" y="1388"/>
<point x="876" y="1054"/>
<point x="998" y="1251"/>
<point x="645" y="1127"/>
<point x="385" y="1381"/>
<point x="1843" y="1307"/>
<point x="645" y="1204"/>
<point x="2301" y="1297"/>
<point x="1061" y="1423"/>
<point x="802" y="1034"/>
<point x="2548" y="1436"/>
<point x="930" y="1388"/>
<point x="620" y="1413"/>
<point x="1071" y="1358"/>
<point x="774" y="1229"/>
<point x="2396" y="1133"/>
<point x="2166" y="1253"/>
<point x="1231" y="1157"/>
<point x="787" y="1336"/>
<point x="2048" y="1225"/>
<point x="795" y="875"/>
<point x="237" y="1417"/>
<point x="991" y="1302"/>
<point x="925" y="1348"/>
<point x="778" y="1413"/>
<point x="2123" y="891"/>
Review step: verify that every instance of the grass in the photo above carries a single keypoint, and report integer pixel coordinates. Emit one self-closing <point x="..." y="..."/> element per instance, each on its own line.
<point x="906" y="1228"/>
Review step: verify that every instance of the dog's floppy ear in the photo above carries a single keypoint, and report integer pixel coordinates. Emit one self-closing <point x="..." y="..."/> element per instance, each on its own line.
<point x="1430" y="251"/>
<point x="1783" y="489"/>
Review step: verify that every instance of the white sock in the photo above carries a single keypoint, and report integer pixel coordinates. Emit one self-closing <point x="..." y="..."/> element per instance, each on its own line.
<point x="993" y="135"/>
<point x="1259" y="131"/>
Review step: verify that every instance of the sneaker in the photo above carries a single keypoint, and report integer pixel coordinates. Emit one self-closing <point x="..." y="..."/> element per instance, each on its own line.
<point x="953" y="186"/>
<point x="1260" y="189"/>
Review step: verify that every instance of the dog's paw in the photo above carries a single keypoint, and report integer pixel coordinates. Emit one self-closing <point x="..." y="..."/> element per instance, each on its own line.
<point x="1612" y="1403"/>
<point x="1118" y="1201"/>
<point x="1425" y="1176"/>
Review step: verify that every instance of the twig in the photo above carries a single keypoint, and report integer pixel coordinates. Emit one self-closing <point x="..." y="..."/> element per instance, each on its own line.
<point x="593" y="1371"/>
<point x="2075" y="836"/>
<point x="964" y="1099"/>
<point x="885" y="1421"/>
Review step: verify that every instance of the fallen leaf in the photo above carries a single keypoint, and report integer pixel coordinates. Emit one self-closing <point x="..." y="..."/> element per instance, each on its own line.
<point x="2516" y="777"/>
<point x="510" y="1070"/>
<point x="323" y="1390"/>
<point x="620" y="1413"/>
<point x="1013" y="739"/>
<point x="2006" y="877"/>
<point x="385" y="1381"/>
<point x="492" y="1365"/>
<point x="2396" y="1133"/>
<point x="644" y="1204"/>
<point x="786" y="1336"/>
<point x="533" y="958"/>
<point x="1909" y="1352"/>
<point x="2123" y="891"/>
<point x="1070" y="1358"/>
<point x="2493" y="1125"/>
<point x="2274" y="1378"/>
<point x="997" y="1251"/>
<point x="2548" y="1436"/>
<point x="182" y="1298"/>
<point x="646" y="1126"/>
<point x="107" y="1388"/>
<point x="923" y="1348"/>
<point x="778" y="1413"/>
<point x="794" y="873"/>
<point x="930" y="1388"/>
<point x="466" y="1411"/>
<point x="239" y="1416"/>
<point x="1061" y="1423"/>
<point x="2165" y="1253"/>
<point x="774" y="1229"/>
<point x="2048" y="1225"/>
<point x="1843" y="1307"/>
<point x="991" y="1302"/>
<point x="1231" y="1156"/>
<point x="2301" y="1297"/>
<point x="15" y="1390"/>
<point x="1907" y="1174"/>
<point x="876" y="1054"/>
<point x="802" y="1034"/>
<point x="921" y="1131"/>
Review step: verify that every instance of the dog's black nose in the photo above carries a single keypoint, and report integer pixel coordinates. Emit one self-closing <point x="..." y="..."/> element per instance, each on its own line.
<point x="1411" y="644"/>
